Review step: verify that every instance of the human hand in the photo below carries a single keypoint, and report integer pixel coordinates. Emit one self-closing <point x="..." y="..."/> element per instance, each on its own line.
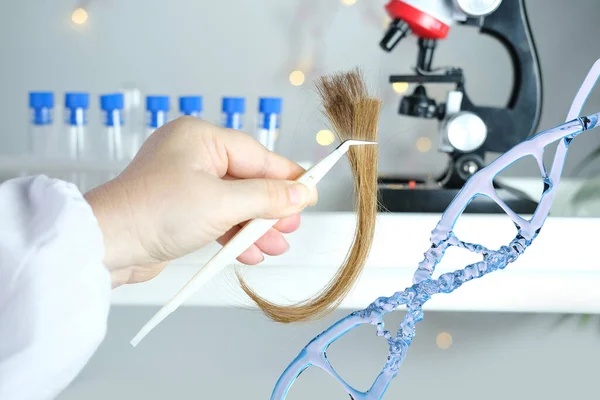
<point x="192" y="183"/>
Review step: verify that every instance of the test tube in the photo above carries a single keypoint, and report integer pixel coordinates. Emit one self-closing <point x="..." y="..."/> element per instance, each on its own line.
<point x="112" y="118"/>
<point x="233" y="109"/>
<point x="73" y="141"/>
<point x="133" y="112"/>
<point x="157" y="108"/>
<point x="76" y="106"/>
<point x="269" y="111"/>
<point x="42" y="137"/>
<point x="190" y="105"/>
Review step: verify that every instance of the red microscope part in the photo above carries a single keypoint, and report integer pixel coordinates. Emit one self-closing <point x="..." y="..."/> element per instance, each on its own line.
<point x="421" y="23"/>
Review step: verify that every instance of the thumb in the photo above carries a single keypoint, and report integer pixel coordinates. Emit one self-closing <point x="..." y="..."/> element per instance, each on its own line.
<point x="267" y="198"/>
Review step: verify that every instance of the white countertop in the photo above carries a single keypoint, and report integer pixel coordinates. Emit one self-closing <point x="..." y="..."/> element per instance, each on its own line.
<point x="558" y="273"/>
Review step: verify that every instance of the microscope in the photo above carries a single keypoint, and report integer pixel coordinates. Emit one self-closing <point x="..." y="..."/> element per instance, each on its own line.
<point x="466" y="131"/>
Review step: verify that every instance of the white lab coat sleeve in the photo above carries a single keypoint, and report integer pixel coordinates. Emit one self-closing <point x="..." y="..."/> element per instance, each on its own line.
<point x="54" y="289"/>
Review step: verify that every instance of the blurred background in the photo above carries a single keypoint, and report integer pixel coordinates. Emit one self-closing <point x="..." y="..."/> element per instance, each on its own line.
<point x="278" y="48"/>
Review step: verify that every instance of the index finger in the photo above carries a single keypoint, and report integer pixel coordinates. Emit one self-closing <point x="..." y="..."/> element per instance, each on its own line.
<point x="247" y="158"/>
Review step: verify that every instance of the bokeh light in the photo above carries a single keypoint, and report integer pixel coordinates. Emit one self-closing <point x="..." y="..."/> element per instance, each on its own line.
<point x="325" y="137"/>
<point x="423" y="144"/>
<point x="79" y="16"/>
<point x="444" y="340"/>
<point x="297" y="78"/>
<point x="400" y="87"/>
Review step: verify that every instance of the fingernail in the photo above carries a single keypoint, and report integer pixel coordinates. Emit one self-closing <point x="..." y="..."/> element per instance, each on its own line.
<point x="298" y="194"/>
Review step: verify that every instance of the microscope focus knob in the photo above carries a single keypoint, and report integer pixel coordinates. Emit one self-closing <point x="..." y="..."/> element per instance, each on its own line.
<point x="477" y="8"/>
<point x="465" y="131"/>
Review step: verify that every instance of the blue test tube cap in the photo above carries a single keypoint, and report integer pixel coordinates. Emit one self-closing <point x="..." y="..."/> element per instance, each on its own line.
<point x="41" y="99"/>
<point x="270" y="105"/>
<point x="41" y="103"/>
<point x="233" y="105"/>
<point x="110" y="103"/>
<point x="74" y="100"/>
<point x="157" y="103"/>
<point x="190" y="104"/>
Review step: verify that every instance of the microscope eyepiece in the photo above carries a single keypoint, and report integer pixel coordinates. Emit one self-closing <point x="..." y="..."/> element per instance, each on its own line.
<point x="397" y="30"/>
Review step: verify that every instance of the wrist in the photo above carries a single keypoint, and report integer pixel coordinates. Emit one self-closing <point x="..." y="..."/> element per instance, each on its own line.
<point x="121" y="244"/>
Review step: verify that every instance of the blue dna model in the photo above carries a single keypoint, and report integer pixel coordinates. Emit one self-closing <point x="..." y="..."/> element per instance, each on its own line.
<point x="442" y="237"/>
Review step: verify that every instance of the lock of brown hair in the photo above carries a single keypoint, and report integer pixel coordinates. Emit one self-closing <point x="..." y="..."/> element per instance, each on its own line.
<point x="352" y="115"/>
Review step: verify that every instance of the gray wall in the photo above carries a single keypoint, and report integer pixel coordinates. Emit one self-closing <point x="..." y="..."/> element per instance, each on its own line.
<point x="235" y="354"/>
